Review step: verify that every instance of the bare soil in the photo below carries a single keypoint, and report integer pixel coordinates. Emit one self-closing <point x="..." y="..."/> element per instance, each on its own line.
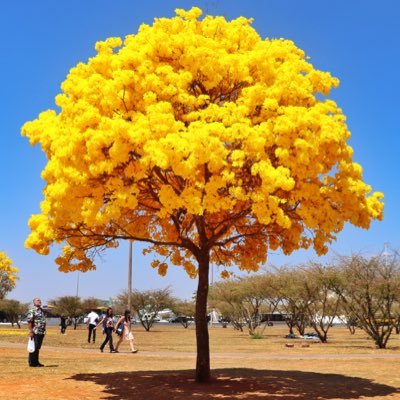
<point x="243" y="368"/>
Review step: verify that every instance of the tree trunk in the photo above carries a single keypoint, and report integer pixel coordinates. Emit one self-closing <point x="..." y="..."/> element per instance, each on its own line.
<point x="145" y="322"/>
<point x="379" y="342"/>
<point x="351" y="328"/>
<point x="203" y="346"/>
<point x="290" y="326"/>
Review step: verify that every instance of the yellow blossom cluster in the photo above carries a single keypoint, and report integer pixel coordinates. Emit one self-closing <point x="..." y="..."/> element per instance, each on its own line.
<point x="197" y="135"/>
<point x="8" y="274"/>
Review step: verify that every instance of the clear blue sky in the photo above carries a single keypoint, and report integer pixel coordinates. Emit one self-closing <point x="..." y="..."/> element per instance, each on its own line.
<point x="356" y="40"/>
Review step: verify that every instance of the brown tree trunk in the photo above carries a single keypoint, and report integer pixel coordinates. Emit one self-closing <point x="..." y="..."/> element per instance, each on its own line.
<point x="203" y="346"/>
<point x="351" y="328"/>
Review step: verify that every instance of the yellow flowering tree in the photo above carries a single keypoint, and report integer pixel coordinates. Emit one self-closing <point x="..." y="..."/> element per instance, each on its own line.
<point x="8" y="275"/>
<point x="204" y="140"/>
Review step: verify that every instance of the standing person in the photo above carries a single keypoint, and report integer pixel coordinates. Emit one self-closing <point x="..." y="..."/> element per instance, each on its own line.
<point x="126" y="332"/>
<point x="37" y="329"/>
<point x="63" y="324"/>
<point x="92" y="320"/>
<point x="108" y="320"/>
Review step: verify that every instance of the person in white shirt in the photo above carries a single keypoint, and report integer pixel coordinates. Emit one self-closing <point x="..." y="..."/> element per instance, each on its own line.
<point x="92" y="320"/>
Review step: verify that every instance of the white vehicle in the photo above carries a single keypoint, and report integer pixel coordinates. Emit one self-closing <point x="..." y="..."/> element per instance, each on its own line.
<point x="151" y="316"/>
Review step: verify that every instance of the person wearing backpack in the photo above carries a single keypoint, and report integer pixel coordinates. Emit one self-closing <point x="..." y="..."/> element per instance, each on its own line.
<point x="124" y="327"/>
<point x="108" y="326"/>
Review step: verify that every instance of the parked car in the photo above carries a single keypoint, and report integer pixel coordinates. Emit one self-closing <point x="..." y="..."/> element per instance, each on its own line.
<point x="180" y="319"/>
<point x="311" y="336"/>
<point x="292" y="336"/>
<point x="146" y="317"/>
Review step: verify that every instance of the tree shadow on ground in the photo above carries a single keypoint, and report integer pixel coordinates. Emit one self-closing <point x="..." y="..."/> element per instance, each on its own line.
<point x="235" y="383"/>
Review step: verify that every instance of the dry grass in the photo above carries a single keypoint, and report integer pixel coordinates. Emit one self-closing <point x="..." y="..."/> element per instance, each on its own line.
<point x="244" y="368"/>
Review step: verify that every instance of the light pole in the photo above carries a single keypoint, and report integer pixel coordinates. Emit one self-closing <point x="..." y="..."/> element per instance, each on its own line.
<point x="130" y="277"/>
<point x="77" y="285"/>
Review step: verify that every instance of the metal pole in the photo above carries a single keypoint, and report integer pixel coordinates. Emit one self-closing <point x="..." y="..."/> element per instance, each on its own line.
<point x="385" y="253"/>
<point x="77" y="285"/>
<point x="130" y="277"/>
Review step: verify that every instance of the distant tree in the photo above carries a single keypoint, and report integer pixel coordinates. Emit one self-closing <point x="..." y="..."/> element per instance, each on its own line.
<point x="8" y="275"/>
<point x="321" y="302"/>
<point x="12" y="311"/>
<point x="294" y="298"/>
<point x="184" y="309"/>
<point x="347" y="318"/>
<point x="242" y="301"/>
<point x="272" y="296"/>
<point x="223" y="297"/>
<point x="68" y="306"/>
<point x="370" y="291"/>
<point x="147" y="304"/>
<point x="89" y="304"/>
<point x="397" y="314"/>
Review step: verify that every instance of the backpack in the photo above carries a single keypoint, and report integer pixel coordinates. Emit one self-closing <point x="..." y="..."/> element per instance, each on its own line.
<point x="104" y="324"/>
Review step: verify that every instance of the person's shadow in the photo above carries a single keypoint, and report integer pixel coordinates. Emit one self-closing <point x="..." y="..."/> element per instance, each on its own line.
<point x="238" y="383"/>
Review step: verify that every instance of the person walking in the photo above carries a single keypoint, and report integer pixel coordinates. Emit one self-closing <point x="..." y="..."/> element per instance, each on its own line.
<point x="63" y="324"/>
<point x="126" y="332"/>
<point x="37" y="330"/>
<point x="92" y="320"/>
<point x="108" y="321"/>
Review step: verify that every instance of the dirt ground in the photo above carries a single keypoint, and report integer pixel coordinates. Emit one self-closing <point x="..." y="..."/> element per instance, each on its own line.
<point x="242" y="369"/>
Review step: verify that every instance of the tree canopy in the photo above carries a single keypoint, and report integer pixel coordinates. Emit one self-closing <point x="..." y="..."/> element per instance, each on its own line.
<point x="197" y="125"/>
<point x="202" y="139"/>
<point x="12" y="310"/>
<point x="68" y="306"/>
<point x="147" y="304"/>
<point x="370" y="292"/>
<point x="8" y="275"/>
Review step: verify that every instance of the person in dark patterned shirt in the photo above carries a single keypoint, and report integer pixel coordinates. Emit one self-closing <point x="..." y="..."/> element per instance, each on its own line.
<point x="108" y="321"/>
<point x="37" y="329"/>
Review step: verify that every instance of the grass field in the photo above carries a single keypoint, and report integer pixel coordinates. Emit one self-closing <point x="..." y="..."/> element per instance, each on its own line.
<point x="348" y="367"/>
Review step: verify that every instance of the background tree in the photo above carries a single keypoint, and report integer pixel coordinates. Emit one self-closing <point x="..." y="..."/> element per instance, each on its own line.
<point x="347" y="318"/>
<point x="267" y="283"/>
<point x="224" y="298"/>
<point x="370" y="290"/>
<point x="396" y="312"/>
<point x="257" y="300"/>
<point x="322" y="302"/>
<point x="184" y="309"/>
<point x="12" y="311"/>
<point x="68" y="306"/>
<point x="242" y="301"/>
<point x="202" y="139"/>
<point x="147" y="304"/>
<point x="294" y="298"/>
<point x="8" y="275"/>
<point x="89" y="304"/>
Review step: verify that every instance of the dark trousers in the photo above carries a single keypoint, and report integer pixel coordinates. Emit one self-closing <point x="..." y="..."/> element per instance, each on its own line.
<point x="34" y="357"/>
<point x="92" y="331"/>
<point x="108" y="339"/>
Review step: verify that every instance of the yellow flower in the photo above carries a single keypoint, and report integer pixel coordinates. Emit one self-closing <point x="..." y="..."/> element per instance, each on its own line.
<point x="196" y="135"/>
<point x="8" y="274"/>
